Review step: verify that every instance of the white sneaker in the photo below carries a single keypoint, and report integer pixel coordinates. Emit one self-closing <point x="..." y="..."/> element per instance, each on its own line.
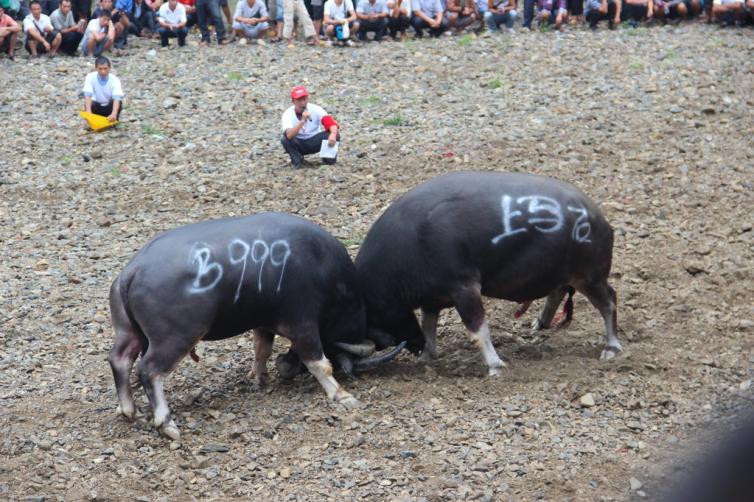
<point x="349" y="43"/>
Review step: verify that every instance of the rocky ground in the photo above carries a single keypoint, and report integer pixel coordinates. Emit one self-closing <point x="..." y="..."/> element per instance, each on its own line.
<point x="655" y="124"/>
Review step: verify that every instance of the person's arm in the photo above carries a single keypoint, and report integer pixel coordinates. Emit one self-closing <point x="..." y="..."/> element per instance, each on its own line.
<point x="333" y="137"/>
<point x="111" y="30"/>
<point x="117" y="99"/>
<point x="360" y="14"/>
<point x="182" y="20"/>
<point x="88" y="104"/>
<point x="88" y="93"/>
<point x="14" y="28"/>
<point x="383" y="14"/>
<point x="291" y="132"/>
<point x="350" y="10"/>
<point x="511" y="6"/>
<point x="650" y="9"/>
<point x="114" y="115"/>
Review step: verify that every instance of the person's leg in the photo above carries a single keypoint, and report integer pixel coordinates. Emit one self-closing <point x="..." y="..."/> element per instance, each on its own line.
<point x="72" y="41"/>
<point x="164" y="35"/>
<point x="181" y="34"/>
<point x="419" y="25"/>
<point x="214" y="8"/>
<point x="226" y="11"/>
<point x="305" y="20"/>
<point x="293" y="149"/>
<point x="202" y="7"/>
<point x="436" y="32"/>
<point x="380" y="30"/>
<point x="288" y="8"/>
<point x="102" y="110"/>
<point x="528" y="13"/>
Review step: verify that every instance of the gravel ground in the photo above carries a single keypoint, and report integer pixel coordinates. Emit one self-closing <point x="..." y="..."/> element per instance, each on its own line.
<point x="655" y="125"/>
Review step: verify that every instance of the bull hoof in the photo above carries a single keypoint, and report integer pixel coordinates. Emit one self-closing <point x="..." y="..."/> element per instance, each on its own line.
<point x="496" y="369"/>
<point x="610" y="352"/>
<point x="129" y="413"/>
<point x="171" y="431"/>
<point x="348" y="401"/>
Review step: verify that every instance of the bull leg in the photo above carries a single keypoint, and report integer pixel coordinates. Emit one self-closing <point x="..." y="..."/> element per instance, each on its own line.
<point x="468" y="303"/>
<point x="604" y="299"/>
<point x="129" y="343"/>
<point x="263" y="341"/>
<point x="429" y="329"/>
<point x="548" y="312"/>
<point x="306" y="343"/>
<point x="154" y="367"/>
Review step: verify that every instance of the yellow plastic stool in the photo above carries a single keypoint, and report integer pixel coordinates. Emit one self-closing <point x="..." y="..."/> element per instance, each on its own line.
<point x="97" y="122"/>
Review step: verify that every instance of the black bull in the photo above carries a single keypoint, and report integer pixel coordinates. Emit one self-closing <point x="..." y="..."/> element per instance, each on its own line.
<point x="461" y="236"/>
<point x="271" y="272"/>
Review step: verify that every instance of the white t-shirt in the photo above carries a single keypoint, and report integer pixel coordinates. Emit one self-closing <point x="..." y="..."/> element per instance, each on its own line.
<point x="41" y="24"/>
<point x="176" y="16"/>
<point x="103" y="92"/>
<point x="338" y="12"/>
<point x="312" y="126"/>
<point x="259" y="10"/>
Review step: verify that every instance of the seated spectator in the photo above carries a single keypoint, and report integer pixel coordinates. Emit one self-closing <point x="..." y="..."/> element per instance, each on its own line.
<point x="599" y="10"/>
<point x="296" y="10"/>
<point x="122" y="9"/>
<point x="41" y="37"/>
<point x="461" y="14"/>
<point x="141" y="19"/>
<point x="501" y="12"/>
<point x="635" y="11"/>
<point x="172" y="19"/>
<point x="337" y="14"/>
<point x="251" y="19"/>
<point x="727" y="11"/>
<point x="192" y="19"/>
<point x="204" y="10"/>
<point x="103" y="94"/>
<point x="118" y="18"/>
<point x="9" y="30"/>
<point x="553" y="12"/>
<point x="372" y="16"/>
<point x="99" y="35"/>
<point x="428" y="15"/>
<point x="70" y="31"/>
<point x="305" y="126"/>
<point x="399" y="18"/>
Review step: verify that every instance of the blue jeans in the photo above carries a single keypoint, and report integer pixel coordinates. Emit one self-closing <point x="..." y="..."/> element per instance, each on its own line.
<point x="494" y="19"/>
<point x="528" y="13"/>
<point x="213" y="7"/>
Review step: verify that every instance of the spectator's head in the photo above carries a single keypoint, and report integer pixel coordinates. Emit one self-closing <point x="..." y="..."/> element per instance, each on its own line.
<point x="104" y="18"/>
<point x="300" y="98"/>
<point x="65" y="7"/>
<point x="250" y="2"/>
<point x="106" y="4"/>
<point x="35" y="8"/>
<point x="103" y="66"/>
<point x="172" y="4"/>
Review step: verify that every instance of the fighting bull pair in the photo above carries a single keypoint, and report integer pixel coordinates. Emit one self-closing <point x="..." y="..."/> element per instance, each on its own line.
<point x="444" y="244"/>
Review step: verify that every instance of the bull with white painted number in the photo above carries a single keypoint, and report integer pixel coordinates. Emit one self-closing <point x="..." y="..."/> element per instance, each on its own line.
<point x="271" y="272"/>
<point x="459" y="237"/>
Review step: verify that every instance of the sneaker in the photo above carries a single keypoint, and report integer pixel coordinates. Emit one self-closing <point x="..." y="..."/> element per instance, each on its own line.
<point x="350" y="43"/>
<point x="511" y="31"/>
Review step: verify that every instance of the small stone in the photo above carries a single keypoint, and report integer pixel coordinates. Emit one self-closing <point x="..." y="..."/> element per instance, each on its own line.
<point x="169" y="103"/>
<point x="587" y="400"/>
<point x="214" y="448"/>
<point x="635" y="484"/>
<point x="285" y="473"/>
<point x="44" y="444"/>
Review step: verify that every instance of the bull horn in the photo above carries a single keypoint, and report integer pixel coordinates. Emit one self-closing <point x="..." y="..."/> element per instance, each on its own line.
<point x="358" y="349"/>
<point x="374" y="361"/>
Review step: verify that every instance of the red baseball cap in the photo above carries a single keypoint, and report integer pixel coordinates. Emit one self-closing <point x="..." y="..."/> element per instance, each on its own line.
<point x="299" y="92"/>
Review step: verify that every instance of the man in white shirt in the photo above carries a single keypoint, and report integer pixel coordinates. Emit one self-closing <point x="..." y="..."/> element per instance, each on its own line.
<point x="172" y="19"/>
<point x="337" y="14"/>
<point x="70" y="31"/>
<point x="372" y="16"/>
<point x="251" y="19"/>
<point x="305" y="126"/>
<point x="40" y="35"/>
<point x="103" y="94"/>
<point x="99" y="35"/>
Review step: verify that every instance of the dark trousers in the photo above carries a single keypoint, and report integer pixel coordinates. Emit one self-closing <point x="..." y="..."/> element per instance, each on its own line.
<point x="297" y="148"/>
<point x="145" y="21"/>
<point x="378" y="26"/>
<point x="594" y="16"/>
<point x="70" y="43"/>
<point x="396" y="24"/>
<point x="105" y="110"/>
<point x="82" y="9"/>
<point x="575" y="7"/>
<point x="210" y="8"/>
<point x="191" y="20"/>
<point x="165" y="34"/>
<point x="528" y="12"/>
<point x="420" y="24"/>
<point x="48" y="6"/>
<point x="49" y="36"/>
<point x="633" y="12"/>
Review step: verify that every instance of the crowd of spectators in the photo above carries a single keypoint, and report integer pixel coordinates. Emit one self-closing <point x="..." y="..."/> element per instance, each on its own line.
<point x="71" y="27"/>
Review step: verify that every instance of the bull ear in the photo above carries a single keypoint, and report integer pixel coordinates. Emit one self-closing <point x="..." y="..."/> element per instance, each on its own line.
<point x="381" y="338"/>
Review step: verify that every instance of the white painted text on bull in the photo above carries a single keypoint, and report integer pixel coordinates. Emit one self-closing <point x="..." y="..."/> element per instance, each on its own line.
<point x="542" y="213"/>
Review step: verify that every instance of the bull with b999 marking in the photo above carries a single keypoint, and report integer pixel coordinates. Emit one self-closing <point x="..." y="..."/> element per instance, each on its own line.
<point x="459" y="237"/>
<point x="271" y="272"/>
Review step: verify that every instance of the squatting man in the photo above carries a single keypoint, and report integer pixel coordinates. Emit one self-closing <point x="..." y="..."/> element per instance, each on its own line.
<point x="305" y="126"/>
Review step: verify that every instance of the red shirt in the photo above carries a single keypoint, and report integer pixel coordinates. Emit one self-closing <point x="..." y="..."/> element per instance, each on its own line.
<point x="7" y="22"/>
<point x="188" y="3"/>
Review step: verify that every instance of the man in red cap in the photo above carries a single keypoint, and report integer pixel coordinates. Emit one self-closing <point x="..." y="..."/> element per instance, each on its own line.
<point x="305" y="126"/>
